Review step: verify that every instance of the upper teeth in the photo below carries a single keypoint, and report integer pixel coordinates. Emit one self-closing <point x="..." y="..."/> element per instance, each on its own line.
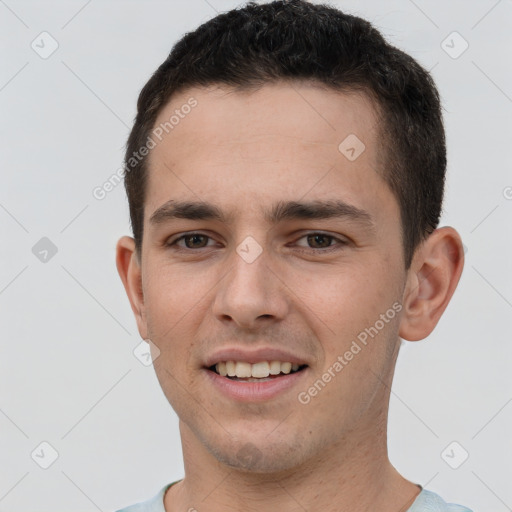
<point x="258" y="370"/>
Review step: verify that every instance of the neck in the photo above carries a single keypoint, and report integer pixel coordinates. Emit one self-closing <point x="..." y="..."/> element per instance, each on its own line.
<point x="354" y="473"/>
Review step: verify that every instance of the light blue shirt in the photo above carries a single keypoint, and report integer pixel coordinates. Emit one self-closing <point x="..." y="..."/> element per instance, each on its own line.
<point x="426" y="501"/>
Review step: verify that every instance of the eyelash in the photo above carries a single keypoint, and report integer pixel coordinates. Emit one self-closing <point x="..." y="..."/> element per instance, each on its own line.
<point x="330" y="248"/>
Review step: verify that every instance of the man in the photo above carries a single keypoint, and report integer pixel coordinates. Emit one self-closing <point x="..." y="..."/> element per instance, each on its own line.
<point x="285" y="178"/>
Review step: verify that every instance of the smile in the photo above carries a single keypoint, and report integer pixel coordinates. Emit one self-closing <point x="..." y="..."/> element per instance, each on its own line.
<point x="255" y="372"/>
<point x="257" y="382"/>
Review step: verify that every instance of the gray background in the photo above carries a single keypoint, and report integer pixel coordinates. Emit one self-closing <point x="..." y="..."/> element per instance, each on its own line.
<point x="68" y="375"/>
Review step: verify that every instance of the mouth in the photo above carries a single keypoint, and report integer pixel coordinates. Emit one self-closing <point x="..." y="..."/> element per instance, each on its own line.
<point x="263" y="371"/>
<point x="259" y="374"/>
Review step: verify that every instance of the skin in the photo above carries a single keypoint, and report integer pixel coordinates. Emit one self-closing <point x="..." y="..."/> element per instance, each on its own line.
<point x="244" y="151"/>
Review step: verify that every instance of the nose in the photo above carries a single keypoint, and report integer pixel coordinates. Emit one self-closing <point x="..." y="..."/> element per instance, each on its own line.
<point x="251" y="295"/>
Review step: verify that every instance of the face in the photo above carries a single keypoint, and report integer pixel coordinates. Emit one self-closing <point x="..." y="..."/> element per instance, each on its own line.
<point x="295" y="256"/>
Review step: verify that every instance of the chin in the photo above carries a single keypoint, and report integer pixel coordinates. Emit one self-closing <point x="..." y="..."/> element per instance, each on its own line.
<point x="253" y="455"/>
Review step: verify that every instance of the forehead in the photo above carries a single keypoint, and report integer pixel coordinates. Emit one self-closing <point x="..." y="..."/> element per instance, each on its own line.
<point x="305" y="113"/>
<point x="283" y="140"/>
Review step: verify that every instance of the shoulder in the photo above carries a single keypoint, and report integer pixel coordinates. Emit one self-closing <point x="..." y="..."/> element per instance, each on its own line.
<point x="428" y="501"/>
<point x="154" y="504"/>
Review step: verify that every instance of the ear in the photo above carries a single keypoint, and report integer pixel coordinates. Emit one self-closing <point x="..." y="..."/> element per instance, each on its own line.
<point x="432" y="278"/>
<point x="129" y="268"/>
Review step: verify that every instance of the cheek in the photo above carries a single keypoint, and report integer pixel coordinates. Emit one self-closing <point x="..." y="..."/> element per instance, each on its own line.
<point x="357" y="342"/>
<point x="347" y="297"/>
<point x="173" y="292"/>
<point x="344" y="308"/>
<point x="173" y="311"/>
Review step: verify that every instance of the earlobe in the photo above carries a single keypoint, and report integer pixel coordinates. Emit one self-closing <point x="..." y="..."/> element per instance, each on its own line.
<point x="432" y="280"/>
<point x="129" y="269"/>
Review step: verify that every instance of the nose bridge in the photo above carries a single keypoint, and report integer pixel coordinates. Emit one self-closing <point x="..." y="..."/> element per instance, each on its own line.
<point x="251" y="289"/>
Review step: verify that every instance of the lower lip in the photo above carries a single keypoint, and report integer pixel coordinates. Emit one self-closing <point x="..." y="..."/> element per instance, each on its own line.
<point x="255" y="391"/>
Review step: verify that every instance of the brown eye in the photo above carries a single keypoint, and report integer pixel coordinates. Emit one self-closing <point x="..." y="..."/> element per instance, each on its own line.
<point x="190" y="241"/>
<point x="319" y="241"/>
<point x="195" y="241"/>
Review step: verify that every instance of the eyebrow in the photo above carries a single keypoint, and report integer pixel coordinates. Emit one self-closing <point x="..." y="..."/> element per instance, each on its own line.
<point x="281" y="211"/>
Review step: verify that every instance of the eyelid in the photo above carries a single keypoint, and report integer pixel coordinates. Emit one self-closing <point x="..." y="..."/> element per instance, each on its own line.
<point x="173" y="241"/>
<point x="341" y="242"/>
